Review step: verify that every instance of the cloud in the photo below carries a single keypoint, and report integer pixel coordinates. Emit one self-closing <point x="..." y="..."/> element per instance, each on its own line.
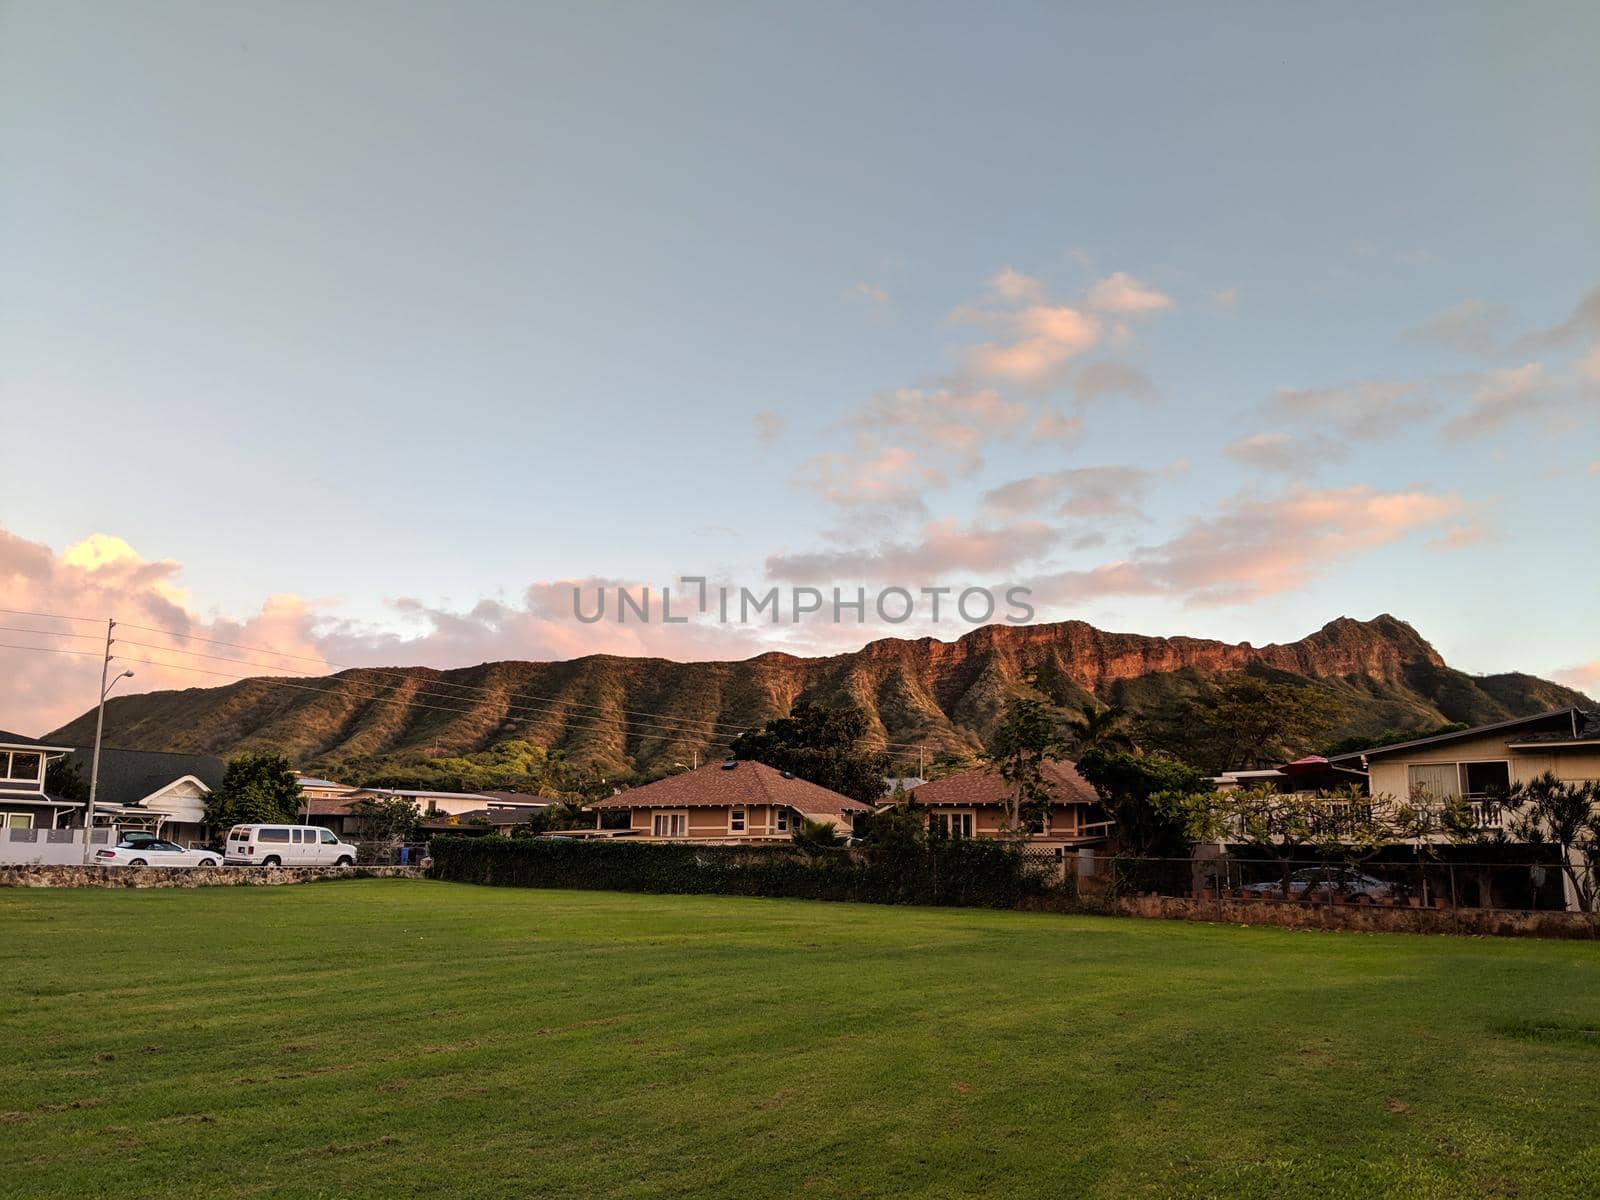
<point x="103" y="576"/>
<point x="1101" y="491"/>
<point x="1226" y="299"/>
<point x="1285" y="451"/>
<point x="942" y="547"/>
<point x="1057" y="427"/>
<point x="1097" y="380"/>
<point x="1585" y="677"/>
<point x="1038" y="342"/>
<point x="1124" y="295"/>
<point x="953" y="422"/>
<point x="1583" y="322"/>
<point x="769" y="425"/>
<point x="1503" y="396"/>
<point x="888" y="477"/>
<point x="1257" y="546"/>
<point x="872" y="293"/>
<point x="1013" y="287"/>
<point x="1473" y="327"/>
<point x="1459" y="537"/>
<point x="1369" y="408"/>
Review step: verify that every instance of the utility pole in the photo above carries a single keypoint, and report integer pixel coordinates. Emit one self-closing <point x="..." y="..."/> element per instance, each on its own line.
<point x="919" y="761"/>
<point x="99" y="730"/>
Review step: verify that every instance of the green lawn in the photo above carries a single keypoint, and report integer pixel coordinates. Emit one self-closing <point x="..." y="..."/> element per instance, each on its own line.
<point x="384" y="1038"/>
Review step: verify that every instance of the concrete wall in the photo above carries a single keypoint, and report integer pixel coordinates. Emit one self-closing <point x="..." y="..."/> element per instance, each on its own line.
<point x="46" y="846"/>
<point x="181" y="877"/>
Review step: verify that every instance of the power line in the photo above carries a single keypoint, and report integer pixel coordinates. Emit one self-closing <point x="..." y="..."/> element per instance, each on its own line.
<point x="680" y="726"/>
<point x="530" y="700"/>
<point x="93" y="637"/>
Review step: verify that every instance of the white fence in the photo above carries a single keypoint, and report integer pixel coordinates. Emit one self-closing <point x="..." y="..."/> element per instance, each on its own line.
<point x="48" y="847"/>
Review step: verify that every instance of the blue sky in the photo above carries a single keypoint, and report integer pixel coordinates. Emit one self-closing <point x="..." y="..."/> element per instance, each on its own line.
<point x="389" y="311"/>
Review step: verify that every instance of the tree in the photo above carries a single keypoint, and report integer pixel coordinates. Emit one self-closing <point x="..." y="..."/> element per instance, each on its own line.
<point x="1550" y="812"/>
<point x="1463" y="825"/>
<point x="63" y="778"/>
<point x="1029" y="734"/>
<point x="812" y="835"/>
<point x="1144" y="793"/>
<point x="1243" y="721"/>
<point x="1286" y="826"/>
<point x="256" y="789"/>
<point x="389" y="819"/>
<point x="822" y="746"/>
<point x="1101" y="727"/>
<point x="901" y="828"/>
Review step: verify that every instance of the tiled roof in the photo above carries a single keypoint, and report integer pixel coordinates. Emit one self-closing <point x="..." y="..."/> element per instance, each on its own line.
<point x="740" y="786"/>
<point x="983" y="785"/>
<point x="1588" y="725"/>
<point x="478" y="816"/>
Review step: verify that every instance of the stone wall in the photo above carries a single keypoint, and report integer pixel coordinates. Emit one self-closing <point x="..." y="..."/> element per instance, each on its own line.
<point x="170" y="877"/>
<point x="1367" y="918"/>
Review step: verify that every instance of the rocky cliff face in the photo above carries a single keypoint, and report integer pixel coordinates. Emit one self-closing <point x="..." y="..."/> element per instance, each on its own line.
<point x="639" y="713"/>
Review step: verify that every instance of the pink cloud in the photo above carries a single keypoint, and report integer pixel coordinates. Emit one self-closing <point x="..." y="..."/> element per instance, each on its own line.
<point x="1585" y="677"/>
<point x="1258" y="547"/>
<point x="888" y="477"/>
<point x="1503" y="396"/>
<point x="1124" y="295"/>
<point x="1367" y="409"/>
<point x="1102" y="491"/>
<point x="943" y="547"/>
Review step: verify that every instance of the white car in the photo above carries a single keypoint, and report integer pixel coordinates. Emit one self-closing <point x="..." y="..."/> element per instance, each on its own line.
<point x="147" y="851"/>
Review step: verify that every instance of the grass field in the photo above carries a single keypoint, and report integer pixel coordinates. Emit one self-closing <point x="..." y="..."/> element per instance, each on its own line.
<point x="384" y="1038"/>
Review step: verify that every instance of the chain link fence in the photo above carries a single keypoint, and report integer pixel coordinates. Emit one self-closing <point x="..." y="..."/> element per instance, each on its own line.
<point x="1421" y="881"/>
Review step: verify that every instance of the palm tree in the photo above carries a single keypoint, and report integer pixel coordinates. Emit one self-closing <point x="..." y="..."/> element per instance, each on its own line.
<point x="1101" y="727"/>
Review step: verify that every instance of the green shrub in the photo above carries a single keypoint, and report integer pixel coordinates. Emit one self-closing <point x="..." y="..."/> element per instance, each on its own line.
<point x="973" y="873"/>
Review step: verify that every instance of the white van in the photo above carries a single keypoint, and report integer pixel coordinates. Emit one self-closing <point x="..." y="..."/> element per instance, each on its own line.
<point x="286" y="846"/>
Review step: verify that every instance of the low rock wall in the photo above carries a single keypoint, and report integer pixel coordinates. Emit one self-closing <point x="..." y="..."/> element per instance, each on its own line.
<point x="170" y="877"/>
<point x="1367" y="918"/>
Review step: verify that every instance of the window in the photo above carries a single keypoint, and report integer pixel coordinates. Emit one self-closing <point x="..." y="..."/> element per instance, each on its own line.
<point x="21" y="766"/>
<point x="272" y="835"/>
<point x="19" y="820"/>
<point x="1436" y="781"/>
<point x="1486" y="778"/>
<point x="951" y="824"/>
<point x="783" y="820"/>
<point x="668" y="825"/>
<point x="736" y="820"/>
<point x="327" y="838"/>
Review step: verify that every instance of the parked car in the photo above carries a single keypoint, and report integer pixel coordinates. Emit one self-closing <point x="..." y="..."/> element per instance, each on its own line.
<point x="286" y="846"/>
<point x="146" y="850"/>
<point x="1323" y="882"/>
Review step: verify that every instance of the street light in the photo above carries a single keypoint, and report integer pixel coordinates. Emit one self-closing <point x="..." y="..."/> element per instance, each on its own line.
<point x="99" y="728"/>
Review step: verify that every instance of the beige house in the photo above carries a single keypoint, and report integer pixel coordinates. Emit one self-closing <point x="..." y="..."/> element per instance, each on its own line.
<point x="735" y="801"/>
<point x="1478" y="765"/>
<point x="974" y="804"/>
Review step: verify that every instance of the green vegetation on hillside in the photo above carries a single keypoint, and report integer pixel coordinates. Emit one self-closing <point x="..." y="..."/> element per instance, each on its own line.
<point x="383" y="1038"/>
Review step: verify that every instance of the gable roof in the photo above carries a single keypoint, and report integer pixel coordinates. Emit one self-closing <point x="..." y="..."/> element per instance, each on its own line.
<point x="1556" y="726"/>
<point x="128" y="776"/>
<point x="16" y="739"/>
<point x="740" y="785"/>
<point x="522" y="799"/>
<point x="983" y="785"/>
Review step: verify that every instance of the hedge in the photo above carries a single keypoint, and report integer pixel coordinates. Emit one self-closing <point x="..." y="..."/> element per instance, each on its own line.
<point x="975" y="873"/>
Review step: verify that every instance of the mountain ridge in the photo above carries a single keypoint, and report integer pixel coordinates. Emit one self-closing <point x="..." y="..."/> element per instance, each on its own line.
<point x="636" y="714"/>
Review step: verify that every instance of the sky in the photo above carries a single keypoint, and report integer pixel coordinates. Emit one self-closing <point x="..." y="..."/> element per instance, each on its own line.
<point x="366" y="333"/>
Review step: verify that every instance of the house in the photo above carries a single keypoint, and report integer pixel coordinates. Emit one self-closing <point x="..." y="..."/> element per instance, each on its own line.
<point x="24" y="804"/>
<point x="332" y="805"/>
<point x="973" y="803"/>
<point x="1479" y="764"/>
<point x="734" y="801"/>
<point x="1310" y="774"/>
<point x="153" y="790"/>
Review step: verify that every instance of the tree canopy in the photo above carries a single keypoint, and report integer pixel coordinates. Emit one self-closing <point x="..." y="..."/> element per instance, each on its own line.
<point x="1242" y="721"/>
<point x="821" y="745"/>
<point x="255" y="789"/>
